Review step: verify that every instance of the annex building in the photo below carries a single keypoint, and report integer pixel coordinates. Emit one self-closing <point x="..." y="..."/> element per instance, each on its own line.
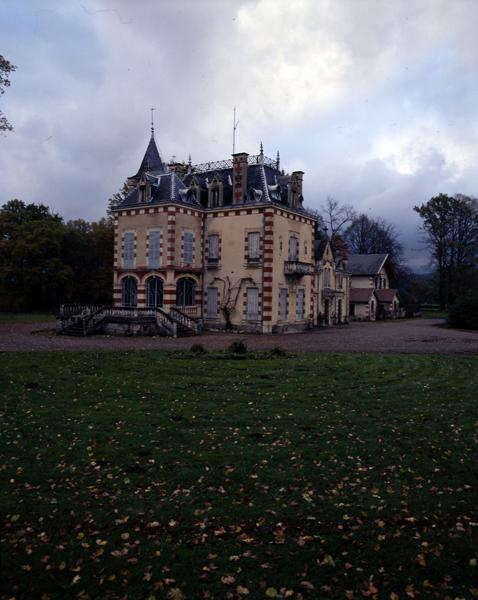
<point x="226" y="243"/>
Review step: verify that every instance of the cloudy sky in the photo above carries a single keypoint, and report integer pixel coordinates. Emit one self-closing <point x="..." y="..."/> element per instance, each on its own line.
<point x="376" y="100"/>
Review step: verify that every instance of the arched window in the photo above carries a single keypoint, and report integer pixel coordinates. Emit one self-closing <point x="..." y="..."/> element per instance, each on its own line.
<point x="154" y="292"/>
<point x="129" y="291"/>
<point x="185" y="292"/>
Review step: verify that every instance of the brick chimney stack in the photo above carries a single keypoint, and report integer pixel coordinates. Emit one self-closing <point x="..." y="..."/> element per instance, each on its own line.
<point x="239" y="165"/>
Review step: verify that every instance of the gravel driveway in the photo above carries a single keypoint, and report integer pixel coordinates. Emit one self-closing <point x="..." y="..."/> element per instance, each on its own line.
<point x="410" y="335"/>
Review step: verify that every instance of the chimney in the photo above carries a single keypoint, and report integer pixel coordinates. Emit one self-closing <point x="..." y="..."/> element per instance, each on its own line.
<point x="295" y="189"/>
<point x="239" y="166"/>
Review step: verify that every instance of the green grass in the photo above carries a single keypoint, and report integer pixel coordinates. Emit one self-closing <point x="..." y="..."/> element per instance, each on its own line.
<point x="26" y="317"/>
<point x="148" y="475"/>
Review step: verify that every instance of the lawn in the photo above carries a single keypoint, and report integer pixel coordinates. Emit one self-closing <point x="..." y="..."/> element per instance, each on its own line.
<point x="146" y="475"/>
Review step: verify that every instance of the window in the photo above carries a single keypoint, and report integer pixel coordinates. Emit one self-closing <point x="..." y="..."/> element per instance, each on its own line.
<point x="129" y="291"/>
<point x="293" y="248"/>
<point x="154" y="248"/>
<point x="352" y="310"/>
<point x="253" y="249"/>
<point x="212" y="302"/>
<point x="128" y="249"/>
<point x="185" y="292"/>
<point x="252" y="304"/>
<point x="327" y="278"/>
<point x="339" y="280"/>
<point x="215" y="197"/>
<point x="154" y="292"/>
<point x="188" y="239"/>
<point x="283" y="304"/>
<point x="305" y="248"/>
<point x="213" y="249"/>
<point x="299" y="307"/>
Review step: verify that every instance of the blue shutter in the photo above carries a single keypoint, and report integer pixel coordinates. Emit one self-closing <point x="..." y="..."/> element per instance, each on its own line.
<point x="154" y="248"/>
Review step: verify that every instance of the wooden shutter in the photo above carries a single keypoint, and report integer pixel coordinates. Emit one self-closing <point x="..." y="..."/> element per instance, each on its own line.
<point x="252" y="304"/>
<point x="154" y="248"/>
<point x="212" y="302"/>
<point x="283" y="304"/>
<point x="128" y="250"/>
<point x="253" y="245"/>
<point x="188" y="247"/>
<point x="213" y="247"/>
<point x="299" y="312"/>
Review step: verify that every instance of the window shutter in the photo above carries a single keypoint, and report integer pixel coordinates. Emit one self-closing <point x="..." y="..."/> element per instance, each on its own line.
<point x="283" y="304"/>
<point x="154" y="249"/>
<point x="300" y="305"/>
<point x="213" y="247"/>
<point x="212" y="302"/>
<point x="188" y="247"/>
<point x="253" y="245"/>
<point x="252" y="304"/>
<point x="128" y="250"/>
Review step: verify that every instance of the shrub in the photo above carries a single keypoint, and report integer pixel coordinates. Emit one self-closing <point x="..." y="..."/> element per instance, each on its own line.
<point x="277" y="352"/>
<point x="464" y="312"/>
<point x="197" y="349"/>
<point x="237" y="347"/>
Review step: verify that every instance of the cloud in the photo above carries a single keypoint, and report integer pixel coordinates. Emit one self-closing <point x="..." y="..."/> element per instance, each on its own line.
<point x="375" y="101"/>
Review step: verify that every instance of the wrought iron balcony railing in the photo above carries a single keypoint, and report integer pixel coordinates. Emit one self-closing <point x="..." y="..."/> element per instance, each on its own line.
<point x="296" y="268"/>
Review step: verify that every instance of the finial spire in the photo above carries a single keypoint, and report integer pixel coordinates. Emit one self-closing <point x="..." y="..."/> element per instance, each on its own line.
<point x="189" y="161"/>
<point x="278" y="160"/>
<point x="152" y="121"/>
<point x="261" y="149"/>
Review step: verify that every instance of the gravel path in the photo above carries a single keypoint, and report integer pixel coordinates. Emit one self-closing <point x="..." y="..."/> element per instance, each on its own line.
<point x="414" y="335"/>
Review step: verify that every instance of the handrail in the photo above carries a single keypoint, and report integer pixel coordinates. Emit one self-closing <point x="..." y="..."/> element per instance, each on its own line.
<point x="184" y="319"/>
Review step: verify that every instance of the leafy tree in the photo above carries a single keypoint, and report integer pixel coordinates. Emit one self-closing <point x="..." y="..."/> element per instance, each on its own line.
<point x="464" y="311"/>
<point x="32" y="271"/>
<point x="373" y="236"/>
<point x="450" y="230"/>
<point x="118" y="197"/>
<point x="6" y="68"/>
<point x="88" y="250"/>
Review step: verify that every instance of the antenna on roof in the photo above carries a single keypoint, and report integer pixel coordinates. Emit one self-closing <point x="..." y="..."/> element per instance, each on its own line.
<point x="152" y="109"/>
<point x="234" y="127"/>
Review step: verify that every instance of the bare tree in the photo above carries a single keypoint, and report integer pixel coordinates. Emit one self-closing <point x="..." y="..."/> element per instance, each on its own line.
<point x="336" y="216"/>
<point x="230" y="296"/>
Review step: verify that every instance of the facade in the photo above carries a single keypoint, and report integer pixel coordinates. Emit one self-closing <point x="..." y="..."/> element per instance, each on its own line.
<point x="373" y="273"/>
<point x="228" y="243"/>
<point x="332" y="285"/>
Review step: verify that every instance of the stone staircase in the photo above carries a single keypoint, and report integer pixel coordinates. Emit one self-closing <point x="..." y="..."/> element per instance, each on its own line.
<point x="85" y="320"/>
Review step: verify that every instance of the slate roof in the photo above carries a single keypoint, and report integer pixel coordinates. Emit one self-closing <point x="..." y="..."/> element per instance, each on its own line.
<point x="151" y="160"/>
<point x="361" y="294"/>
<point x="366" y="264"/>
<point x="387" y="295"/>
<point x="164" y="188"/>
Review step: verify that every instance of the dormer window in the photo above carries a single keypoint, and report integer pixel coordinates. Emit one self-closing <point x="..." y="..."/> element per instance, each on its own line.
<point x="215" y="192"/>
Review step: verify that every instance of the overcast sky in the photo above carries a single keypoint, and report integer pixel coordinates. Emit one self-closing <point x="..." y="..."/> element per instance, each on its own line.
<point x="376" y="100"/>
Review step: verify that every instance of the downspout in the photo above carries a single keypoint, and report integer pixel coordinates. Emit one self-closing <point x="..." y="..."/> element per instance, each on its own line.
<point x="203" y="259"/>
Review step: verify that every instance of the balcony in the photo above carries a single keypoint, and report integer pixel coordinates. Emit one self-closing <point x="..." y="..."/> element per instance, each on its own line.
<point x="296" y="268"/>
<point x="212" y="263"/>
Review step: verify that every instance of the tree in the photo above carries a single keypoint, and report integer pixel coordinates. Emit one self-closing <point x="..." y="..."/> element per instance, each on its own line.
<point x="450" y="230"/>
<point x="336" y="216"/>
<point x="230" y="296"/>
<point x="32" y="271"/>
<point x="6" y="68"/>
<point x="118" y="197"/>
<point x="373" y="236"/>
